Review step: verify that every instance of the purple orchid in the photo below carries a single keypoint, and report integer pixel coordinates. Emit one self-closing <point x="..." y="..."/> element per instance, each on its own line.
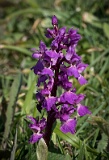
<point x="54" y="69"/>
<point x="69" y="126"/>
<point x="49" y="102"/>
<point x="82" y="110"/>
<point x="65" y="112"/>
<point x="68" y="98"/>
<point x="37" y="127"/>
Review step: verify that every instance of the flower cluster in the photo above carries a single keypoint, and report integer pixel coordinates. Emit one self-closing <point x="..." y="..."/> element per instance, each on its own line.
<point x="54" y="67"/>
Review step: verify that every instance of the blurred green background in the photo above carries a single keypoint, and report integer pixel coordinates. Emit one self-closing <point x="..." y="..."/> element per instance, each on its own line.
<point x="22" y="25"/>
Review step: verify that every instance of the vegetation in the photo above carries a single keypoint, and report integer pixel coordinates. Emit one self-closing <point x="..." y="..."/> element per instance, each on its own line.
<point x="22" y="27"/>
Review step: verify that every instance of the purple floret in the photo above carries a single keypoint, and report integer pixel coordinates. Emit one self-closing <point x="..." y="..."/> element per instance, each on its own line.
<point x="82" y="110"/>
<point x="54" y="20"/>
<point x="69" y="126"/>
<point x="37" y="127"/>
<point x="68" y="98"/>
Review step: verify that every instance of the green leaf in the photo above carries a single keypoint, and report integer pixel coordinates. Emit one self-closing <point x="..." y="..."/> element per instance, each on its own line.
<point x="55" y="156"/>
<point x="95" y="137"/>
<point x="81" y="152"/>
<point x="91" y="19"/>
<point x="102" y="144"/>
<point x="104" y="67"/>
<point x="42" y="150"/>
<point x="11" y="107"/>
<point x="81" y="89"/>
<point x="16" y="48"/>
<point x="28" y="99"/>
<point x="32" y="3"/>
<point x="106" y="29"/>
<point x="99" y="58"/>
<point x="101" y="123"/>
<point x="68" y="157"/>
<point x="14" y="147"/>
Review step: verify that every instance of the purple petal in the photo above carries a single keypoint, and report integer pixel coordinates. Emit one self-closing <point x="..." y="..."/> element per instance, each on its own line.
<point x="81" y="67"/>
<point x="50" y="83"/>
<point x="70" y="53"/>
<point x="74" y="36"/>
<point x="36" y="55"/>
<point x="52" y="54"/>
<point x="75" y="58"/>
<point x="65" y="112"/>
<point x="38" y="67"/>
<point x="47" y="71"/>
<point x="72" y="31"/>
<point x="54" y="20"/>
<point x="64" y="81"/>
<point x="54" y="45"/>
<point x="82" y="110"/>
<point x="80" y="98"/>
<point x="69" y="126"/>
<point x="45" y="91"/>
<point x="66" y="39"/>
<point x="68" y="56"/>
<point x="62" y="31"/>
<point x="50" y="33"/>
<point x="72" y="71"/>
<point x="82" y="80"/>
<point x="39" y="96"/>
<point x="68" y="97"/>
<point x="36" y="124"/>
<point x="43" y="123"/>
<point x="42" y="47"/>
<point x="49" y="103"/>
<point x="35" y="137"/>
<point x="54" y="61"/>
<point x="33" y="120"/>
<point x="41" y="79"/>
<point x="34" y="127"/>
<point x="67" y="85"/>
<point x="64" y="117"/>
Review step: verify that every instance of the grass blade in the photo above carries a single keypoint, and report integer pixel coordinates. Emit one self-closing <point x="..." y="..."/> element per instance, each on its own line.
<point x="11" y="108"/>
<point x="14" y="147"/>
<point x="18" y="49"/>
